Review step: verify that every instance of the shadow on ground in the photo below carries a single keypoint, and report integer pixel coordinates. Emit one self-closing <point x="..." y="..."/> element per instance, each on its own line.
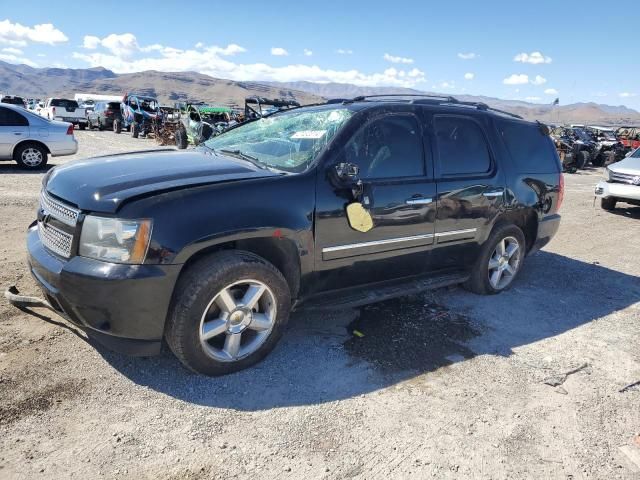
<point x="320" y="359"/>
<point x="8" y="168"/>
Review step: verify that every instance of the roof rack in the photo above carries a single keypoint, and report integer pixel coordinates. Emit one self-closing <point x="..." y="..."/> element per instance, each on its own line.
<point x="437" y="99"/>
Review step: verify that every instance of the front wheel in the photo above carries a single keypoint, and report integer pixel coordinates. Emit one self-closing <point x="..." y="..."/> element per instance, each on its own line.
<point x="229" y="310"/>
<point x="608" y="203"/>
<point x="181" y="139"/>
<point x="135" y="130"/>
<point x="117" y="126"/>
<point x="500" y="261"/>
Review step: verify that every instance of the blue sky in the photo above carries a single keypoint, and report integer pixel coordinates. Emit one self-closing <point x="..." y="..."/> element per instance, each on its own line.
<point x="534" y="51"/>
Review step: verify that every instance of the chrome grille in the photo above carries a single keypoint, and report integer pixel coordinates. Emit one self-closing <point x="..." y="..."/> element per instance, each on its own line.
<point x="623" y="177"/>
<point x="55" y="240"/>
<point x="59" y="210"/>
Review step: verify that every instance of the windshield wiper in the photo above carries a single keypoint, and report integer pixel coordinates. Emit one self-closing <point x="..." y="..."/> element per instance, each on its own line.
<point x="246" y="156"/>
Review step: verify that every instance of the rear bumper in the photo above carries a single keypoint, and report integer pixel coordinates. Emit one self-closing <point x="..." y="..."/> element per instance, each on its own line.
<point x="547" y="228"/>
<point x="124" y="307"/>
<point x="622" y="191"/>
<point x="67" y="147"/>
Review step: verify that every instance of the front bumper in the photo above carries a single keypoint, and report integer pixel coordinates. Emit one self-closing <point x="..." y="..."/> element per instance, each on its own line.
<point x="621" y="191"/>
<point x="124" y="307"/>
<point x="547" y="228"/>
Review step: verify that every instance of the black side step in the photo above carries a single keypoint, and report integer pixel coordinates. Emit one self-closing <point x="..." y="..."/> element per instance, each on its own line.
<point x="356" y="297"/>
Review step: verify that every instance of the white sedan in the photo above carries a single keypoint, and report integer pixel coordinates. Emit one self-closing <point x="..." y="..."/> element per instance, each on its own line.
<point x="29" y="139"/>
<point x="621" y="182"/>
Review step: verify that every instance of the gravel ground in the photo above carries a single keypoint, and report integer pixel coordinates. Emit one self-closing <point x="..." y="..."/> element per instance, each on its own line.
<point x="526" y="384"/>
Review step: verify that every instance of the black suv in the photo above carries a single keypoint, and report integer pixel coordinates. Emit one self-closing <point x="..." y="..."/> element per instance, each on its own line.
<point x="331" y="205"/>
<point x="105" y="115"/>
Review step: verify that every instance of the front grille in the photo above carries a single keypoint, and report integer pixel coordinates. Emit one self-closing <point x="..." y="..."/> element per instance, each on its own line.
<point x="59" y="210"/>
<point x="623" y="178"/>
<point x="57" y="241"/>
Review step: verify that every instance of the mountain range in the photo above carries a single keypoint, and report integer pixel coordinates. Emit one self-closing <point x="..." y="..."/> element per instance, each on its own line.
<point x="171" y="87"/>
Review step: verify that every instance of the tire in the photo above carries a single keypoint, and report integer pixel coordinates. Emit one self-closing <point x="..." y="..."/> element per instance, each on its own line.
<point x="31" y="156"/>
<point x="117" y="126"/>
<point x="480" y="282"/>
<point x="582" y="159"/>
<point x="181" y="139"/>
<point x="199" y="292"/>
<point x="599" y="160"/>
<point x="100" y="126"/>
<point x="82" y="126"/>
<point x="135" y="130"/>
<point x="89" y="125"/>
<point x="608" y="203"/>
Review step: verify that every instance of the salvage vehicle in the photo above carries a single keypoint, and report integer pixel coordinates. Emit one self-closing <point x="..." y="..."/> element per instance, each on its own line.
<point x="630" y="137"/>
<point x="608" y="148"/>
<point x="199" y="122"/>
<point x="138" y="114"/>
<point x="254" y="106"/>
<point x="29" y="139"/>
<point x="621" y="182"/>
<point x="105" y="115"/>
<point x="65" y="110"/>
<point x="333" y="205"/>
<point x="13" y="100"/>
<point x="574" y="147"/>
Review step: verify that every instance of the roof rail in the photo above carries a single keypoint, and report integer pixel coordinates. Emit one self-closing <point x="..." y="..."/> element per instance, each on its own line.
<point x="439" y="99"/>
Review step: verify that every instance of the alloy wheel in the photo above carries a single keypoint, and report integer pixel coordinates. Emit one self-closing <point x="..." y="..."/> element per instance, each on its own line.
<point x="504" y="263"/>
<point x="237" y="321"/>
<point x="32" y="157"/>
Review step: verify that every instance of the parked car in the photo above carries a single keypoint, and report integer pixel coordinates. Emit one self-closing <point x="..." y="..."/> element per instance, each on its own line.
<point x="200" y="122"/>
<point x="138" y="114"/>
<point x="608" y="148"/>
<point x="65" y="110"/>
<point x="29" y="139"/>
<point x="630" y="137"/>
<point x="105" y="115"/>
<point x="328" y="206"/>
<point x="14" y="100"/>
<point x="621" y="182"/>
<point x="574" y="146"/>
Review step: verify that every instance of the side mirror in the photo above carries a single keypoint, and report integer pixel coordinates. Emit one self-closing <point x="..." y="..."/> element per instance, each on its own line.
<point x="347" y="171"/>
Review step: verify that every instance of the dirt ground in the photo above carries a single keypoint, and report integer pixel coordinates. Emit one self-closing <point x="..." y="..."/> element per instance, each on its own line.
<point x="537" y="382"/>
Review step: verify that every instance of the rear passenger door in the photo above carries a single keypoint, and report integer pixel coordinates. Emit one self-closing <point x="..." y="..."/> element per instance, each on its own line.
<point x="14" y="127"/>
<point x="470" y="186"/>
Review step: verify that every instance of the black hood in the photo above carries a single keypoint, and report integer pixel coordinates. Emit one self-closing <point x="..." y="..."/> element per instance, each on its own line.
<point x="102" y="184"/>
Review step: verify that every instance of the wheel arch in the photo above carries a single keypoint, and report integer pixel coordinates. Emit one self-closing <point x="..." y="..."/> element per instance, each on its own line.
<point x="29" y="141"/>
<point x="526" y="219"/>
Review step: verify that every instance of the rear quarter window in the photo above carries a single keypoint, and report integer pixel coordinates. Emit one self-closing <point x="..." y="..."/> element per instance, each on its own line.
<point x="531" y="150"/>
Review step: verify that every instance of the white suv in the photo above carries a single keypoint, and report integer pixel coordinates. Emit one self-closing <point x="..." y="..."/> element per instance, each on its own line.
<point x="621" y="182"/>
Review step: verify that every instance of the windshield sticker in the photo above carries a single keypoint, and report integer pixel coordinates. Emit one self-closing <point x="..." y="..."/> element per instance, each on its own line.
<point x="314" y="134"/>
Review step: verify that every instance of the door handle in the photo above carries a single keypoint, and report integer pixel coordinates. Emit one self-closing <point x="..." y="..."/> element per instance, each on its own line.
<point x="494" y="194"/>
<point x="419" y="201"/>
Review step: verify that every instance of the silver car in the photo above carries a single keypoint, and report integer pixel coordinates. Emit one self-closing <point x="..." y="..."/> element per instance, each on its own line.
<point x="621" y="182"/>
<point x="29" y="139"/>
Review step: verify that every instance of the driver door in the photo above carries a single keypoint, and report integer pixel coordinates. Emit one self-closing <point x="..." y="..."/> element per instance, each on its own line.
<point x="393" y="154"/>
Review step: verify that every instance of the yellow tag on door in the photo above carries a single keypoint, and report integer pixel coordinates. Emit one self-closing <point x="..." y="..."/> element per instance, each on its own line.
<point x="359" y="218"/>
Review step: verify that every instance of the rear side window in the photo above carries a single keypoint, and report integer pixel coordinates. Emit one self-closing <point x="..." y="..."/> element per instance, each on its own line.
<point x="531" y="150"/>
<point x="10" y="118"/>
<point x="388" y="147"/>
<point x="61" y="102"/>
<point x="113" y="106"/>
<point x="462" y="146"/>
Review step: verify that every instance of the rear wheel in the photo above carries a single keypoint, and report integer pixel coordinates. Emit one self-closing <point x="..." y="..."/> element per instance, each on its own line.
<point x="117" y="126"/>
<point x="583" y="159"/>
<point x="31" y="156"/>
<point x="82" y="126"/>
<point x="500" y="261"/>
<point x="229" y="311"/>
<point x="608" y="203"/>
<point x="181" y="139"/>
<point x="100" y="126"/>
<point x="135" y="130"/>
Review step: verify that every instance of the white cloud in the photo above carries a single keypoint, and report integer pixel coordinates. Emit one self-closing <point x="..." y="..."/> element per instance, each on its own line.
<point x="533" y="58"/>
<point x="342" y="51"/>
<point x="469" y="76"/>
<point x="279" y="52"/>
<point x="539" y="80"/>
<point x="10" y="58"/>
<point x="18" y="35"/>
<point x="532" y="99"/>
<point x="307" y="52"/>
<point x="394" y="59"/>
<point x="91" y="42"/>
<point x="627" y="94"/>
<point x="123" y="45"/>
<point x="551" y="91"/>
<point x="199" y="45"/>
<point x="516" y="79"/>
<point x="12" y="50"/>
<point x="415" y="73"/>
<point x="468" y="56"/>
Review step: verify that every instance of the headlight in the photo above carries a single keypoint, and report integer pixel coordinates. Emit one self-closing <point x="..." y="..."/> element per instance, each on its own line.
<point x="115" y="240"/>
<point x="606" y="173"/>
